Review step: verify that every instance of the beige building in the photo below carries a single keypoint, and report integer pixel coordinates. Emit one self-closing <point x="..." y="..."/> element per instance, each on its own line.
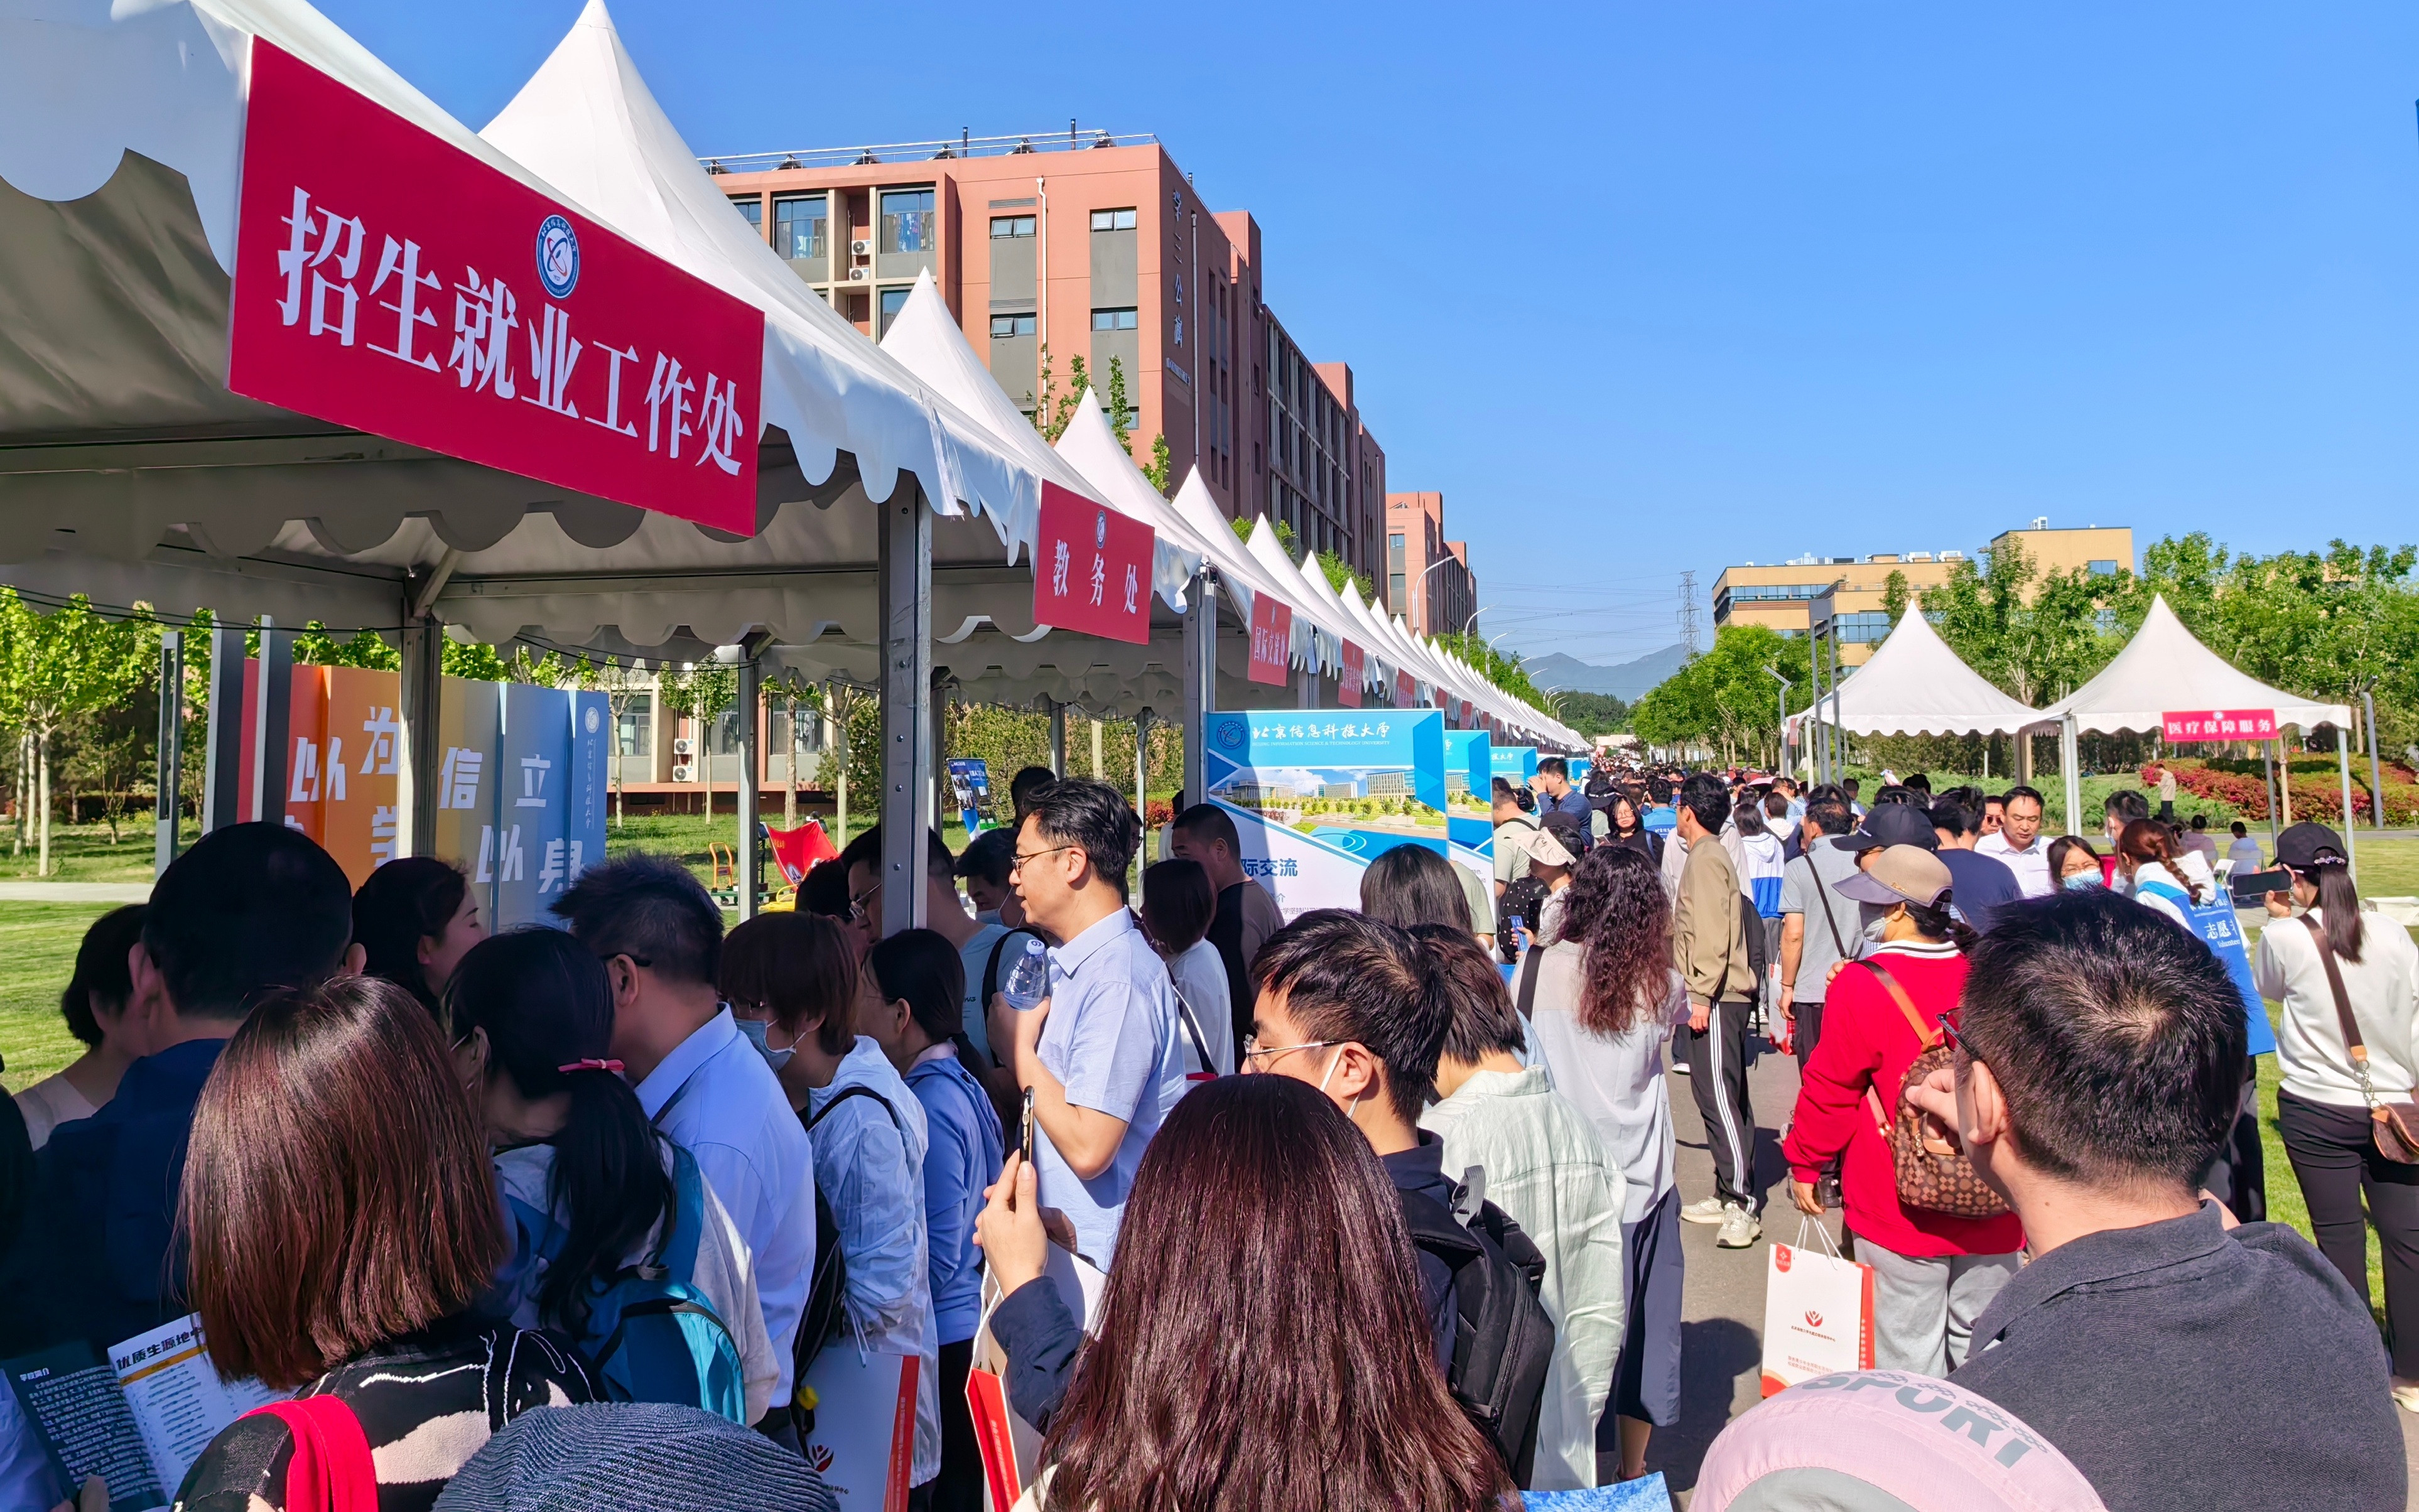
<point x="1781" y="594"/>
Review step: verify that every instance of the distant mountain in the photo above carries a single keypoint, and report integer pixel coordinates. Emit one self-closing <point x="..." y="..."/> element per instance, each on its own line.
<point x="1627" y="682"/>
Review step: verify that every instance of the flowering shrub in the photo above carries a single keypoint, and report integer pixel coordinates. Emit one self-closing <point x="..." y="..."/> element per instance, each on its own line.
<point x="2314" y="785"/>
<point x="1158" y="813"/>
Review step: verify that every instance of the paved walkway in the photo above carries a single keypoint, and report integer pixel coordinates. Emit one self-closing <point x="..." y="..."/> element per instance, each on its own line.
<point x="75" y="892"/>
<point x="1722" y="1304"/>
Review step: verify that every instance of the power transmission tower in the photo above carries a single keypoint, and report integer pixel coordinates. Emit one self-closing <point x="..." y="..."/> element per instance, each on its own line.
<point x="1688" y="614"/>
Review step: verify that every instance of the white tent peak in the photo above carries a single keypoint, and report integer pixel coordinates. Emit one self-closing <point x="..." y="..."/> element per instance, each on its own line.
<point x="1914" y="685"/>
<point x="588" y="123"/>
<point x="2164" y="667"/>
<point x="1092" y="450"/>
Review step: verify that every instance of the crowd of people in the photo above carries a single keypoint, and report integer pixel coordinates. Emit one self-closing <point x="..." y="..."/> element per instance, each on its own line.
<point x="1373" y="1207"/>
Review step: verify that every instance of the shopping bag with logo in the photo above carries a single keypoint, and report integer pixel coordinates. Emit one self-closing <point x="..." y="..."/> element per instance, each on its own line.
<point x="1012" y="1447"/>
<point x="1818" y="1311"/>
<point x="864" y="1438"/>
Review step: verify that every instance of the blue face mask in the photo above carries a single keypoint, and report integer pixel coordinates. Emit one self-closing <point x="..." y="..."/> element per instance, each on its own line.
<point x="755" y="1030"/>
<point x="2083" y="881"/>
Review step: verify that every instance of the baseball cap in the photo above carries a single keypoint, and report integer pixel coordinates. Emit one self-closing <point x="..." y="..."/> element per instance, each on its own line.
<point x="1891" y="824"/>
<point x="2299" y="845"/>
<point x="1887" y="1441"/>
<point x="1539" y="845"/>
<point x="1900" y="874"/>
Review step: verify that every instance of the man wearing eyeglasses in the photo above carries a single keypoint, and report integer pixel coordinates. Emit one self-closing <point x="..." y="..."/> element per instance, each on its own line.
<point x="1101" y="1055"/>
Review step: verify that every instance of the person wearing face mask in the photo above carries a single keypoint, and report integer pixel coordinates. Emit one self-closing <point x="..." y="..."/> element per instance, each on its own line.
<point x="2075" y="864"/>
<point x="700" y="1080"/>
<point x="590" y="1187"/>
<point x="800" y="981"/>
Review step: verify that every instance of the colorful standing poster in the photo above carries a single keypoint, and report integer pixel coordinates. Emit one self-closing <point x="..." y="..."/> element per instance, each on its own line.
<point x="1516" y="764"/>
<point x="544" y="830"/>
<point x="463" y="787"/>
<point x="1315" y="794"/>
<point x="1469" y="803"/>
<point x="343" y="757"/>
<point x="970" y="791"/>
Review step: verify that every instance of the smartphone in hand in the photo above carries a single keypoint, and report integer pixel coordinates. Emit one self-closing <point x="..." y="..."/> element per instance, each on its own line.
<point x="2251" y="888"/>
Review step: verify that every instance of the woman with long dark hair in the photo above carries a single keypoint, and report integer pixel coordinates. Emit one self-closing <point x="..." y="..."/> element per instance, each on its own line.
<point x="1412" y="885"/>
<point x="594" y="1190"/>
<point x="1261" y="1344"/>
<point x="342" y="1222"/>
<point x="1934" y="1273"/>
<point x="415" y="918"/>
<point x="2074" y="865"/>
<point x="94" y="1006"/>
<point x="1607" y="1000"/>
<point x="2324" y="1101"/>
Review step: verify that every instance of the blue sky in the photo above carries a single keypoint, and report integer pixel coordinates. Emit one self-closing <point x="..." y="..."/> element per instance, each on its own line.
<point x="1653" y="287"/>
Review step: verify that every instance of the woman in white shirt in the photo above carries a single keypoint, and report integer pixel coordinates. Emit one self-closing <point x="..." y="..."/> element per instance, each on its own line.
<point x="1177" y="904"/>
<point x="2323" y="1103"/>
<point x="1607" y="999"/>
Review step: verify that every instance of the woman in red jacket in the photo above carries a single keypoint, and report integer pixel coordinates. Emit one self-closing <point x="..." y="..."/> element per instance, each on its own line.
<point x="1932" y="1273"/>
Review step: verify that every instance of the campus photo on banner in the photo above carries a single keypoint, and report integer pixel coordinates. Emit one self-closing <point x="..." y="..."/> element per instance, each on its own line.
<point x="1316" y="794"/>
<point x="1469" y="808"/>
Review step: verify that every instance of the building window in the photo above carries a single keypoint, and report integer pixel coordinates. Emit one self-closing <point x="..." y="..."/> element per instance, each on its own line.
<point x="1012" y="225"/>
<point x="2106" y="567"/>
<point x="1866" y="628"/>
<point x="634" y="729"/>
<point x="1113" y="220"/>
<point x="907" y="220"/>
<point x="1008" y="327"/>
<point x="1113" y="319"/>
<point x="752" y="209"/>
<point x="799" y="228"/>
<point x="893" y="301"/>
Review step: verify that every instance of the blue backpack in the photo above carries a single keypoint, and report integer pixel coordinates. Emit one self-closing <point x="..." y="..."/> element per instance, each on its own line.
<point x="651" y="1334"/>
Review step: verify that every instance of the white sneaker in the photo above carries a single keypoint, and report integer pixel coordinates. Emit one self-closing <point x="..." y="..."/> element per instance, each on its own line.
<point x="1740" y="1228"/>
<point x="1679" y="1068"/>
<point x="1709" y="1210"/>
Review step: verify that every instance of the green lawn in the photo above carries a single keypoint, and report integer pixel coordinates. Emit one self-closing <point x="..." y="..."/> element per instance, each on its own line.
<point x="37" y="946"/>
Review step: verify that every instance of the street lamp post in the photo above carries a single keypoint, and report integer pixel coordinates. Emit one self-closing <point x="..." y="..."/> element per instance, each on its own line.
<point x="1420" y="587"/>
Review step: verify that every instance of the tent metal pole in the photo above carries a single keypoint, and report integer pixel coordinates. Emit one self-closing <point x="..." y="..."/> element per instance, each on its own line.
<point x="170" y="781"/>
<point x="749" y="850"/>
<point x="1057" y="735"/>
<point x="271" y="719"/>
<point x="2376" y="781"/>
<point x="2343" y="767"/>
<point x="223" y="745"/>
<point x="422" y="690"/>
<point x="2070" y="761"/>
<point x="1200" y="678"/>
<point x="905" y="572"/>
<point x="1142" y="785"/>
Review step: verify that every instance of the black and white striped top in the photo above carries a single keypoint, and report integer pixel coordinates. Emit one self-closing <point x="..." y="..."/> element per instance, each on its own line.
<point x="427" y="1403"/>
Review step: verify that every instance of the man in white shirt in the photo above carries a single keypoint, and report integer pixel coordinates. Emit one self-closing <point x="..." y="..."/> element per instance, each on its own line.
<point x="1103" y="1055"/>
<point x="2019" y="844"/>
<point x="697" y="1077"/>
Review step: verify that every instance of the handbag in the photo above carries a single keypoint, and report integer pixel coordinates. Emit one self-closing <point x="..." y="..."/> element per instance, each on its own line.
<point x="1932" y="1174"/>
<point x="331" y="1470"/>
<point x="2392" y="1123"/>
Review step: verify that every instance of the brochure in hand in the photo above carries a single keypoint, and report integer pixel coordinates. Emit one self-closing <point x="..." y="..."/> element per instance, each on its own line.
<point x="138" y="1418"/>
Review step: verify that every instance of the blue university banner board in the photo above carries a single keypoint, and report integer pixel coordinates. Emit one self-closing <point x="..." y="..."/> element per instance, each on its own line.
<point x="1516" y="764"/>
<point x="1318" y="794"/>
<point x="520" y="791"/>
<point x="1469" y="790"/>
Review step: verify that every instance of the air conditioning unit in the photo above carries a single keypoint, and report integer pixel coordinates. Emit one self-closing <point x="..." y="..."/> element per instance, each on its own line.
<point x="683" y="773"/>
<point x="858" y="275"/>
<point x="861" y="247"/>
<point x="683" y="746"/>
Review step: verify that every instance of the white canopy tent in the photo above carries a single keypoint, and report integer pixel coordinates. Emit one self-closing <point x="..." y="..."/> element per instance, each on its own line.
<point x="1914" y="685"/>
<point x="128" y="471"/>
<point x="2164" y="667"/>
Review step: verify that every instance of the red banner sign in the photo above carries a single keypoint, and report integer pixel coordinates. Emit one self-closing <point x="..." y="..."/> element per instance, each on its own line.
<point x="1347" y="683"/>
<point x="390" y="282"/>
<point x="2219" y="724"/>
<point x="1091" y="569"/>
<point x="1271" y="642"/>
<point x="1405" y="693"/>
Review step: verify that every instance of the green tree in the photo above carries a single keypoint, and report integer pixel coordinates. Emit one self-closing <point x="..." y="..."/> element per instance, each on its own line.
<point x="701" y="690"/>
<point x="1502" y="669"/>
<point x="1725" y="698"/>
<point x="61" y="667"/>
<point x="1055" y="408"/>
<point x="1156" y="469"/>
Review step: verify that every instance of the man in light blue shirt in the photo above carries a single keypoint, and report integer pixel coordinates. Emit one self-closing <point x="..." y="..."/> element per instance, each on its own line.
<point x="699" y="1078"/>
<point x="1103" y="1058"/>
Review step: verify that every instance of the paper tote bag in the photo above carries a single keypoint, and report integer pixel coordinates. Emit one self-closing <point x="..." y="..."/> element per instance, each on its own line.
<point x="1818" y="1313"/>
<point x="864" y="1438"/>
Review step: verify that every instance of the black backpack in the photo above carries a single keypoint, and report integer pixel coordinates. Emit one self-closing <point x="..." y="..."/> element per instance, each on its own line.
<point x="830" y="1285"/>
<point x="1502" y="1339"/>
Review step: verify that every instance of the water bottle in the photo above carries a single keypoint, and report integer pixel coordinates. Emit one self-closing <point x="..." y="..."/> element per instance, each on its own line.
<point x="1028" y="981"/>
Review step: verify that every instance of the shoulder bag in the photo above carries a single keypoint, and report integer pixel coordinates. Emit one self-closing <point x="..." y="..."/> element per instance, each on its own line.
<point x="1933" y="1173"/>
<point x="2391" y="1122"/>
